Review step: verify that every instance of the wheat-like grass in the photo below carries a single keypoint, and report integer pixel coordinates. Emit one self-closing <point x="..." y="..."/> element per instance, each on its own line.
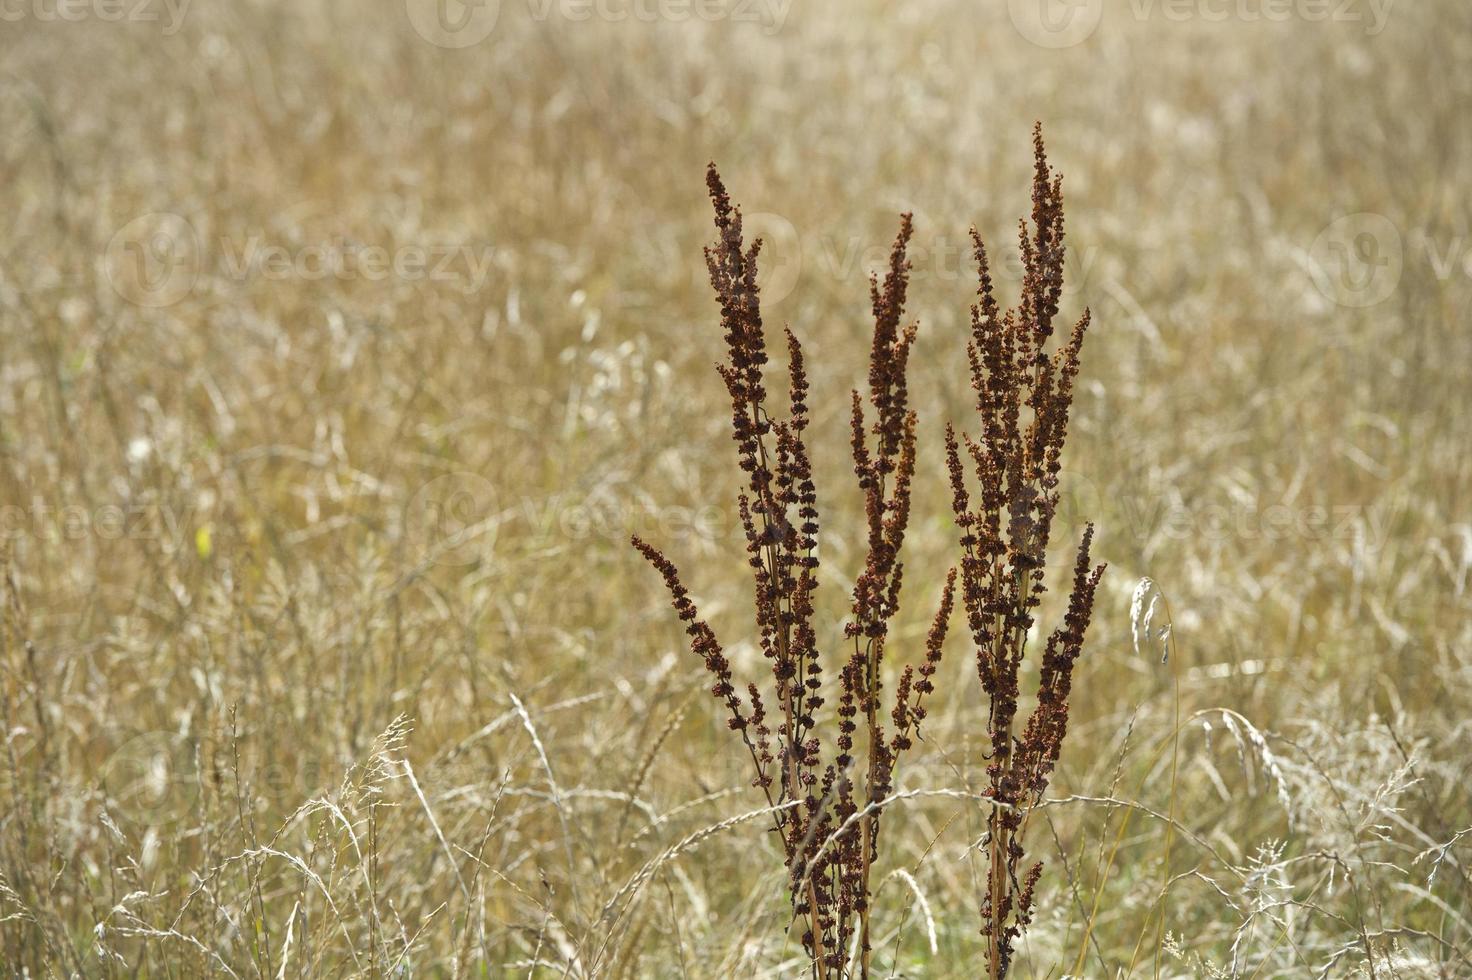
<point x="252" y="519"/>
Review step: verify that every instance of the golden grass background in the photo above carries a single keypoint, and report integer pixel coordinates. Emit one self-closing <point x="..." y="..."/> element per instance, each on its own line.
<point x="257" y="518"/>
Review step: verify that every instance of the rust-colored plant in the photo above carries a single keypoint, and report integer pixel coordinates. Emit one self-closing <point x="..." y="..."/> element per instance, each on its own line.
<point x="828" y="774"/>
<point x="827" y="813"/>
<point x="1023" y="397"/>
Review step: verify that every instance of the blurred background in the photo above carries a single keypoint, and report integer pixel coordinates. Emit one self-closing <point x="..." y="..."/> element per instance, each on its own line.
<point x="343" y="346"/>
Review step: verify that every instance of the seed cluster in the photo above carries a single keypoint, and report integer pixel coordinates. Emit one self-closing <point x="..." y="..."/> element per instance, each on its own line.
<point x="1023" y="397"/>
<point x="828" y="774"/>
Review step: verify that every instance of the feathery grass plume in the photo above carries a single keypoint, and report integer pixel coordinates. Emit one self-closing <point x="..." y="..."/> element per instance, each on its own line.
<point x="1023" y="395"/>
<point x="832" y="770"/>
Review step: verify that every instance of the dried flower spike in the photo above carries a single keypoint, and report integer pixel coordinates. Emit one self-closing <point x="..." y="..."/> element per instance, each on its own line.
<point x="839" y="767"/>
<point x="1023" y="394"/>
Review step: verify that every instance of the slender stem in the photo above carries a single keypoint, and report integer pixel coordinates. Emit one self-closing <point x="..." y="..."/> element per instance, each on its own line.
<point x="791" y="769"/>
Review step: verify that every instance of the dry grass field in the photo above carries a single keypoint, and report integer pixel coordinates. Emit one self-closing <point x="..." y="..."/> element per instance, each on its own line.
<point x="343" y="347"/>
